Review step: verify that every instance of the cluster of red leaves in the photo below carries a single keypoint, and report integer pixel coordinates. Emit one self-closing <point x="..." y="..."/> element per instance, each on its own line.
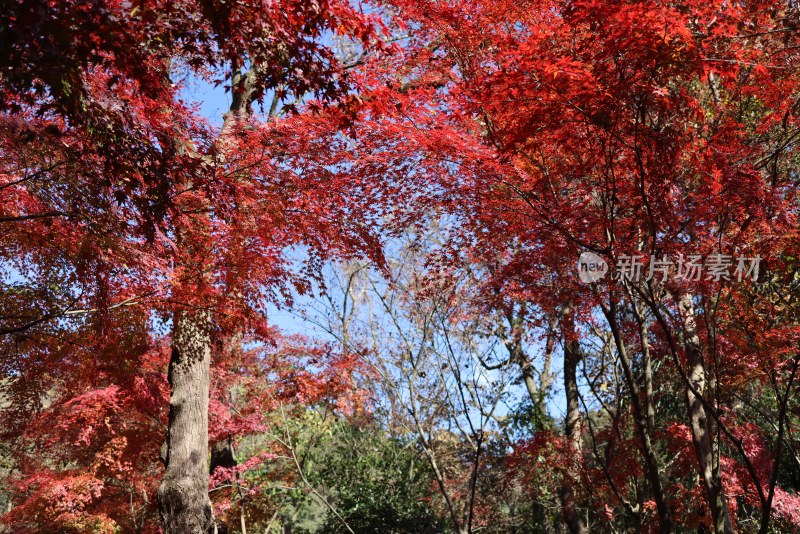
<point x="103" y="163"/>
<point x="544" y="129"/>
<point x="85" y="446"/>
<point x="89" y="459"/>
<point x="117" y="197"/>
<point x="293" y="374"/>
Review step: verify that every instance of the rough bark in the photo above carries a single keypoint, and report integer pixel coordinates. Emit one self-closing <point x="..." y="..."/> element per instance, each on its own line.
<point x="183" y="500"/>
<point x="702" y="435"/>
<point x="184" y="503"/>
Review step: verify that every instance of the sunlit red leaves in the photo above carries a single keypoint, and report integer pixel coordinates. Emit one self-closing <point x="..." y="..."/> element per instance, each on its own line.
<point x="106" y="427"/>
<point x="617" y="127"/>
<point x="286" y="374"/>
<point x="62" y="500"/>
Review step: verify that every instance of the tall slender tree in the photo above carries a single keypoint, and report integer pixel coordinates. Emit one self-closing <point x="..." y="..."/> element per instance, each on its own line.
<point x="141" y="203"/>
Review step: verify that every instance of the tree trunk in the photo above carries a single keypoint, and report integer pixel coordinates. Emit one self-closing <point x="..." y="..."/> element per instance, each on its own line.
<point x="183" y="500"/>
<point x="536" y="391"/>
<point x="184" y="504"/>
<point x="643" y="418"/>
<point x="701" y="431"/>
<point x="572" y="427"/>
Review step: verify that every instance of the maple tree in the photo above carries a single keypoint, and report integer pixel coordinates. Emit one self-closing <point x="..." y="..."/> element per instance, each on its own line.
<point x="117" y="194"/>
<point x="641" y="128"/>
<point x="141" y="241"/>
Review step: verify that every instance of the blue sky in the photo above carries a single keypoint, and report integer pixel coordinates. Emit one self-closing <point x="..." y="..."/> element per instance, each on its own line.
<point x="213" y="101"/>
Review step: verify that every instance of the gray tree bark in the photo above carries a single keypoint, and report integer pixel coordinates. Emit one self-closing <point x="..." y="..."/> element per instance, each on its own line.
<point x="184" y="504"/>
<point x="183" y="500"/>
<point x="572" y="427"/>
<point x="702" y="436"/>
